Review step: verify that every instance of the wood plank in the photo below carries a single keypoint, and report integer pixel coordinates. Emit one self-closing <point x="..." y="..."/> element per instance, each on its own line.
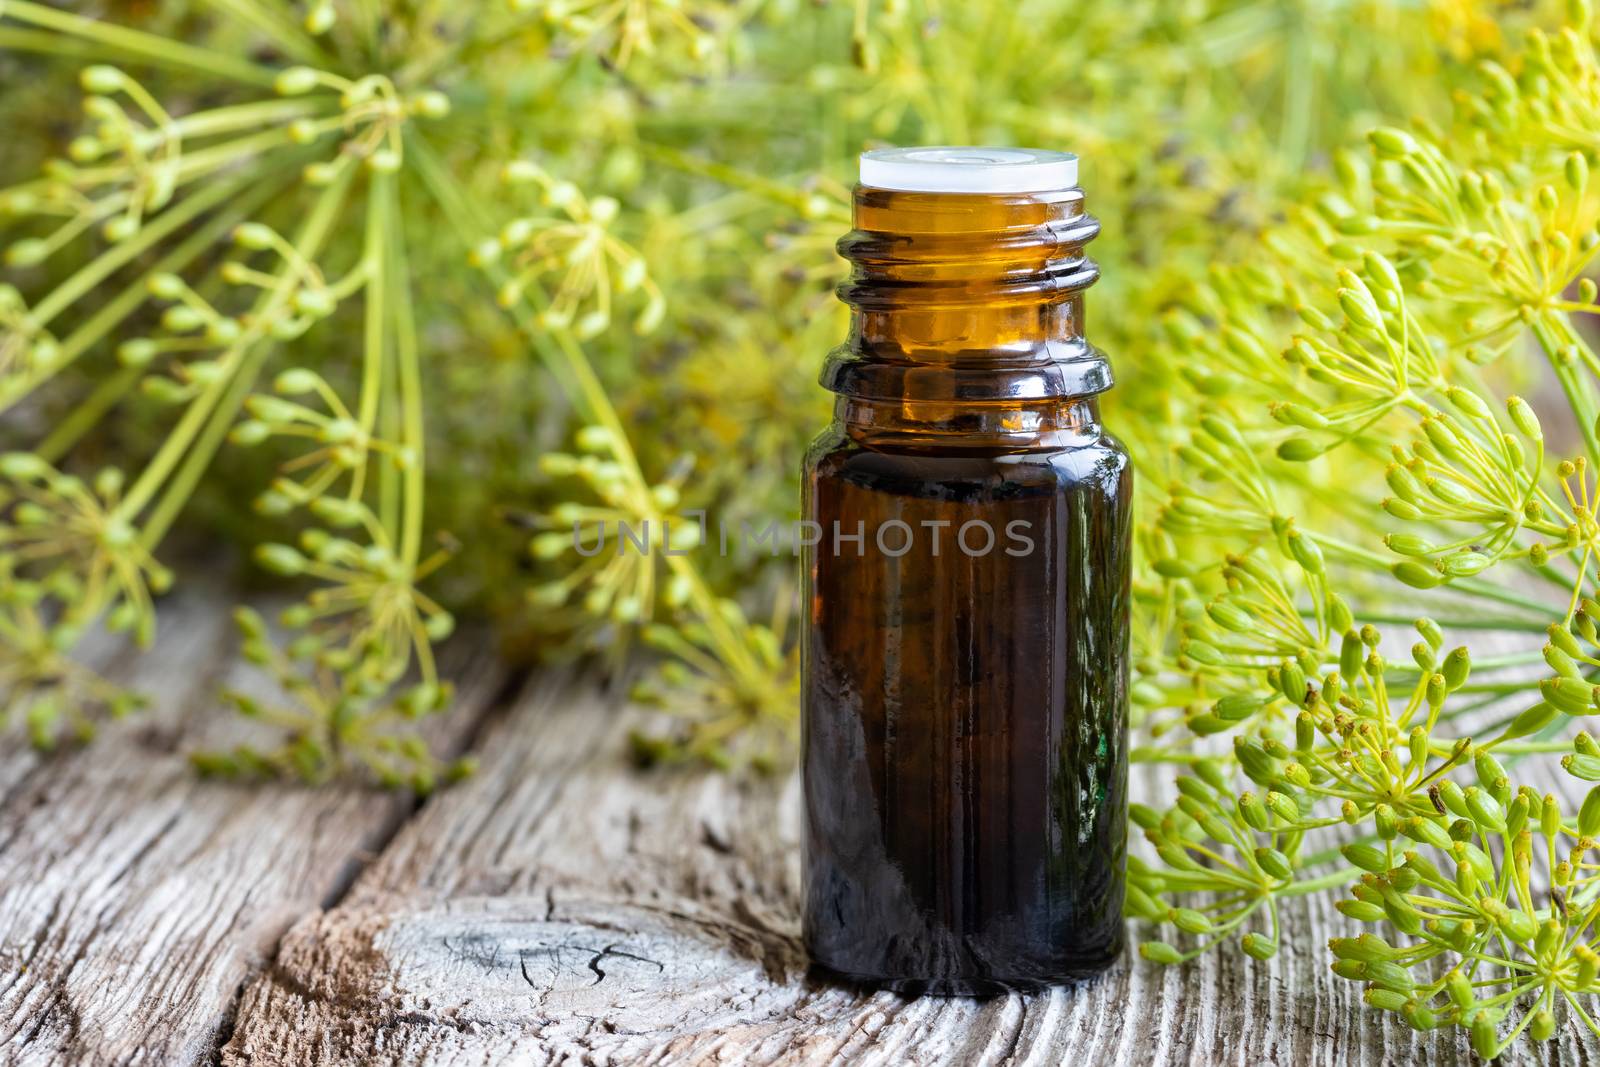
<point x="136" y="898"/>
<point x="562" y="908"/>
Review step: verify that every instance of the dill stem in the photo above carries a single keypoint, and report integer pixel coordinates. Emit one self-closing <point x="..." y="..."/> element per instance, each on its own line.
<point x="182" y="444"/>
<point x="148" y="46"/>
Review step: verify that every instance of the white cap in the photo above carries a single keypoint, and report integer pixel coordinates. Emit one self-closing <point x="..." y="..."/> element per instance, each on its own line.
<point x="964" y="169"/>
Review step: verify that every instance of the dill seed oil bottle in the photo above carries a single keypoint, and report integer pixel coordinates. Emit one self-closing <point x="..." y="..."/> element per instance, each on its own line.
<point x="966" y="643"/>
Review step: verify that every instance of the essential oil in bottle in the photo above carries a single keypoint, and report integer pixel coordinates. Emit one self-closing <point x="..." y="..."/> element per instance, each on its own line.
<point x="966" y="643"/>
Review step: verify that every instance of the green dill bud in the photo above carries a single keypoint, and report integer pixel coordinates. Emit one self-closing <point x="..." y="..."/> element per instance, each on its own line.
<point x="1524" y="418"/>
<point x="1576" y="171"/>
<point x="1421" y="869"/>
<point x="1274" y="863"/>
<point x="1292" y="414"/>
<point x="1361" y="911"/>
<point x="1366" y="857"/>
<point x="1562" y="638"/>
<point x="1574" y="696"/>
<point x="1550" y="816"/>
<point x="1354" y="970"/>
<point x="1237" y="707"/>
<point x="1403" y="483"/>
<point x="338" y="512"/>
<point x="1463" y="564"/>
<point x="1230" y="616"/>
<point x="1351" y="654"/>
<point x="1406" y="544"/>
<point x="1459" y="986"/>
<point x="1491" y="775"/>
<point x="1392" y="143"/>
<point x="1299" y="450"/>
<point x="1485" y="1041"/>
<point x="1160" y="952"/>
<point x="1588" y="966"/>
<point x="1253" y="813"/>
<point x="254" y="236"/>
<point x="1484" y="810"/>
<point x="1589" y="814"/>
<point x="1417" y="743"/>
<point x="1332" y="688"/>
<point x="1454" y="800"/>
<point x="319" y="174"/>
<point x="280" y="559"/>
<point x="272" y="503"/>
<point x="318" y="303"/>
<point x="1292" y="683"/>
<point x="1385" y="999"/>
<point x="295" y="81"/>
<point x="1435" y="691"/>
<point x="1548" y="937"/>
<point x="1368" y="948"/>
<point x="101" y="79"/>
<point x="24" y="467"/>
<point x="430" y="104"/>
<point x="1399" y="911"/>
<point x="27" y="252"/>
<point x="250" y="432"/>
<point x="1305" y="733"/>
<point x="1283" y="806"/>
<point x="1386" y="822"/>
<point x="1582" y="766"/>
<point x="1202" y="653"/>
<point x="320" y="18"/>
<point x="1585" y="744"/>
<point x="1258" y="946"/>
<point x="1457" y="666"/>
<point x="550" y="545"/>
<point x="1401" y="509"/>
<point x="1518" y="925"/>
<point x="597" y="439"/>
<point x="1137" y="904"/>
<point x="1416" y="575"/>
<point x="1305" y="552"/>
<point x="1389" y="975"/>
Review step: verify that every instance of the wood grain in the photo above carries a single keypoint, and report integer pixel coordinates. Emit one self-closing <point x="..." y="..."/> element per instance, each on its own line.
<point x="136" y="898"/>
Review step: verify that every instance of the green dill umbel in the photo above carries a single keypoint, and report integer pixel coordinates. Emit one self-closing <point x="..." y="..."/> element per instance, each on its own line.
<point x="367" y="289"/>
<point x="1366" y="454"/>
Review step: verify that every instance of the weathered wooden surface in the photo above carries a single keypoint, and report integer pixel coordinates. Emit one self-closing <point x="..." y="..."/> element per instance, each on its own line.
<point x="136" y="899"/>
<point x="558" y="907"/>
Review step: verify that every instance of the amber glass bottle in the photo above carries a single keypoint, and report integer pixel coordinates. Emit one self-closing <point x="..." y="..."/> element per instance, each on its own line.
<point x="966" y="651"/>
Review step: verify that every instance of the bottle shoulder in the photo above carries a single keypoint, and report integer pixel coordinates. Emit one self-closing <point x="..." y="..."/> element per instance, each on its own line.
<point x="1084" y="458"/>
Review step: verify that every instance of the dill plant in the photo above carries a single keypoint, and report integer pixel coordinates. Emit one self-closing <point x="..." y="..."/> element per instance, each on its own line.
<point x="424" y="276"/>
<point x="1363" y="456"/>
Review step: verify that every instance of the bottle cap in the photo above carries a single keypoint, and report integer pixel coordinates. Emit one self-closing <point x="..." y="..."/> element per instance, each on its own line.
<point x="966" y="169"/>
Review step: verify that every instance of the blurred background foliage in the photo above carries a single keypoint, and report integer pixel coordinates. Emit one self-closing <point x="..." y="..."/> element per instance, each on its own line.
<point x="719" y="141"/>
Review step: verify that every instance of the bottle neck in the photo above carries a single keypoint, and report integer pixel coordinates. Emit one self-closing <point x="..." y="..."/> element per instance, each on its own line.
<point x="1014" y="425"/>
<point x="967" y="297"/>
